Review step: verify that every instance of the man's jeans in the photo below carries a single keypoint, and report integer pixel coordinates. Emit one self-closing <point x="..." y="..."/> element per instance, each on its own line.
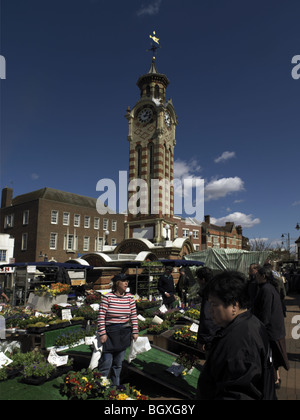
<point x="113" y="362"/>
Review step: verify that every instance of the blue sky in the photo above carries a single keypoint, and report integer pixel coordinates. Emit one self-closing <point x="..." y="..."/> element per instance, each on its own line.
<point x="71" y="73"/>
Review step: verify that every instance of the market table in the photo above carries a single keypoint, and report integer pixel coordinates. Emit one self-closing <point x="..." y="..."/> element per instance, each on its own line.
<point x="13" y="390"/>
<point x="152" y="365"/>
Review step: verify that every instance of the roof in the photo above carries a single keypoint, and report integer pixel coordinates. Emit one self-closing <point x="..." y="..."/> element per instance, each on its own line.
<point x="59" y="196"/>
<point x="227" y="228"/>
<point x="153" y="75"/>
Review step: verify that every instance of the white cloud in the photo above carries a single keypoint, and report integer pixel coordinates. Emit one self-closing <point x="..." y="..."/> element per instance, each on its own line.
<point x="296" y="203"/>
<point x="225" y="156"/>
<point x="219" y="188"/>
<point x="245" y="220"/>
<point x="34" y="176"/>
<point x="150" y="9"/>
<point x="185" y="169"/>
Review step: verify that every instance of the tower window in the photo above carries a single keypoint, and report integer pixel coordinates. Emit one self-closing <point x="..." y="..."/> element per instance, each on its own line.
<point x="139" y="161"/>
<point x="156" y="92"/>
<point x="148" y="90"/>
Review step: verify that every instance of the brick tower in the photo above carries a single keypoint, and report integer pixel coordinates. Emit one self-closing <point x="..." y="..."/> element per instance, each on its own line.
<point x="152" y="124"/>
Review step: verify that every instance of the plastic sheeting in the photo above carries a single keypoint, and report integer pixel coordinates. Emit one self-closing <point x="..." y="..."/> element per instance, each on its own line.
<point x="219" y="259"/>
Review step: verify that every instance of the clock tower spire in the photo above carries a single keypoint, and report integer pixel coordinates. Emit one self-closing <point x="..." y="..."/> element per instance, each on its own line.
<point x="151" y="135"/>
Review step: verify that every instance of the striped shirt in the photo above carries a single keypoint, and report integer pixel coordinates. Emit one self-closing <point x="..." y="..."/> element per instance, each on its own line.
<point x="117" y="310"/>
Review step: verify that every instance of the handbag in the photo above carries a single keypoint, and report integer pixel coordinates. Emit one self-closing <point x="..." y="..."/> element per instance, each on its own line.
<point x="119" y="337"/>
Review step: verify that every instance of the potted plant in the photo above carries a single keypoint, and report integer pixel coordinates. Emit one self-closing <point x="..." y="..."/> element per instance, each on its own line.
<point x="125" y="392"/>
<point x="84" y="385"/>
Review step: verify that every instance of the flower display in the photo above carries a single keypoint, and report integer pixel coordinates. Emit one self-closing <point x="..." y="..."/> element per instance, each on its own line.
<point x="184" y="335"/>
<point x="84" y="384"/>
<point x="125" y="392"/>
<point x="193" y="313"/>
<point x="54" y="290"/>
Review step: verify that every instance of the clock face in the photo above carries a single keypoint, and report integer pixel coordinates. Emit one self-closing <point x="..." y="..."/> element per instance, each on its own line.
<point x="167" y="119"/>
<point x="145" y="115"/>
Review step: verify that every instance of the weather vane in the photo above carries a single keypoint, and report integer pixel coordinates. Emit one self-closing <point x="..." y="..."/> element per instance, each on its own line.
<point x="155" y="44"/>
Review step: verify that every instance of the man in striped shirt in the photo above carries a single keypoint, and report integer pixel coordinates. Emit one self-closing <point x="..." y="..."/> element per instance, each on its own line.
<point x="117" y="325"/>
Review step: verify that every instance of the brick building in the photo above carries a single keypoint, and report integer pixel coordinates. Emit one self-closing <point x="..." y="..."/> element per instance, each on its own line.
<point x="56" y="225"/>
<point x="228" y="236"/>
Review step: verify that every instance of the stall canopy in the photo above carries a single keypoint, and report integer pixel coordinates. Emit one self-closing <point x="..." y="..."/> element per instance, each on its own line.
<point x="172" y="263"/>
<point x="67" y="266"/>
<point x="229" y="259"/>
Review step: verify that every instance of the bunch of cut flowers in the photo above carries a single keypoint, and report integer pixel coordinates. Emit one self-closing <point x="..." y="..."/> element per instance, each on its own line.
<point x="54" y="290"/>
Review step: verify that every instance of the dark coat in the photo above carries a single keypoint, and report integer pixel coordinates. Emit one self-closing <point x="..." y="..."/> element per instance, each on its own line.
<point x="268" y="309"/>
<point x="238" y="366"/>
<point x="207" y="328"/>
<point x="166" y="284"/>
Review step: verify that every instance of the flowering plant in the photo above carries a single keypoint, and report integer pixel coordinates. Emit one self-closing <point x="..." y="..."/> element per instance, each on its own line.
<point x="54" y="290"/>
<point x="193" y="313"/>
<point x="93" y="297"/>
<point x="125" y="392"/>
<point x="84" y="384"/>
<point x="158" y="329"/>
<point x="184" y="335"/>
<point x="188" y="361"/>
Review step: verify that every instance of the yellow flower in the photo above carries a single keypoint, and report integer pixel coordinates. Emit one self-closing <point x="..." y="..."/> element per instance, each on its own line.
<point x="84" y="378"/>
<point x="122" y="397"/>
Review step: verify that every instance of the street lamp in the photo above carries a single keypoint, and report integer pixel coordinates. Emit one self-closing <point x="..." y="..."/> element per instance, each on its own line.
<point x="106" y="237"/>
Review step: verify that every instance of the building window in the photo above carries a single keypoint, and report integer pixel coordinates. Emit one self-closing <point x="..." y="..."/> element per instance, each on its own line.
<point x="70" y="243"/>
<point x="25" y="217"/>
<point x="86" y="243"/>
<point x="96" y="223"/>
<point x="105" y="224"/>
<point x="9" y="221"/>
<point x="24" y="241"/>
<point x="2" y="255"/>
<point x="196" y="234"/>
<point x="139" y="161"/>
<point x="113" y="242"/>
<point x="54" y="217"/>
<point x="66" y="219"/>
<point x="53" y="240"/>
<point x="185" y="233"/>
<point x="77" y="220"/>
<point x="87" y="222"/>
<point x="98" y="244"/>
<point x="114" y="226"/>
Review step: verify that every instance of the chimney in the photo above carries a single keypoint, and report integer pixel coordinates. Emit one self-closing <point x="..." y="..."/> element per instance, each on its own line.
<point x="7" y="197"/>
<point x="207" y="219"/>
<point x="239" y="230"/>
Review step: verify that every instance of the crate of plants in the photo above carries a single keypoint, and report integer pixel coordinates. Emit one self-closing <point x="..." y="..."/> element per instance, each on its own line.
<point x="155" y="329"/>
<point x="146" y="307"/>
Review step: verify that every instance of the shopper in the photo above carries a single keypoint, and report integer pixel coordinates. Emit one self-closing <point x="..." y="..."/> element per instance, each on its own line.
<point x="238" y="366"/>
<point x="207" y="328"/>
<point x="117" y="325"/>
<point x="182" y="286"/>
<point x="166" y="288"/>
<point x="3" y="295"/>
<point x="268" y="308"/>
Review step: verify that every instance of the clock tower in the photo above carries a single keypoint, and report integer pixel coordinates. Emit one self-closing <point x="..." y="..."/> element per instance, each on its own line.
<point x="151" y="135"/>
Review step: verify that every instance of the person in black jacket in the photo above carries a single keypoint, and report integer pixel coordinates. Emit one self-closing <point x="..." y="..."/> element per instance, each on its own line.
<point x="166" y="287"/>
<point x="268" y="308"/>
<point x="207" y="328"/>
<point x="238" y="366"/>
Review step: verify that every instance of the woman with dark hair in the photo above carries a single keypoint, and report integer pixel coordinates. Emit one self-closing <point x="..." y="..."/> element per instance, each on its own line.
<point x="238" y="366"/>
<point x="268" y="308"/>
<point x="117" y="326"/>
